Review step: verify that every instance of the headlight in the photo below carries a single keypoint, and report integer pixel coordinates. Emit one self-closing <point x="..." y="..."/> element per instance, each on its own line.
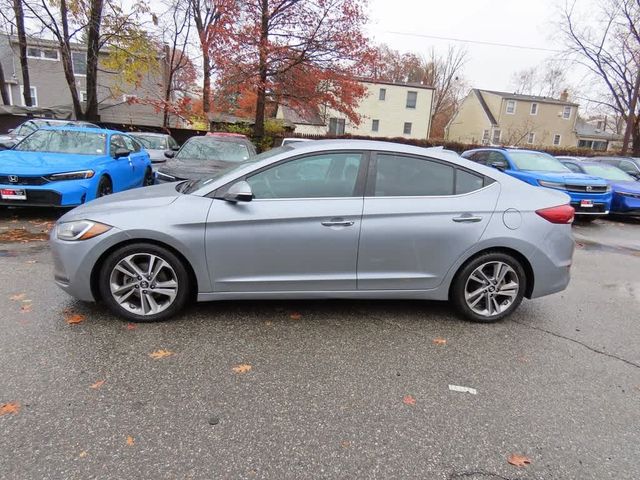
<point x="557" y="185"/>
<point x="608" y="188"/>
<point x="80" y="230"/>
<point x="629" y="194"/>
<point x="79" y="175"/>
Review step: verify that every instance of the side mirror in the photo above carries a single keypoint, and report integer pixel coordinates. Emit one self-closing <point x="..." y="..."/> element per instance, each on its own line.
<point x="121" y="152"/>
<point x="239" y="192"/>
<point x="175" y="148"/>
<point x="169" y="153"/>
<point x="498" y="166"/>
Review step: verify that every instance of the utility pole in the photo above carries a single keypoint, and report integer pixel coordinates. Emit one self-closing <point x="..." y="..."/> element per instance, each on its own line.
<point x="631" y="115"/>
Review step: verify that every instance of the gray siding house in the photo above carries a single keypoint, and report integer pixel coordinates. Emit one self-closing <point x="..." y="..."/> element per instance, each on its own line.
<point x="49" y="87"/>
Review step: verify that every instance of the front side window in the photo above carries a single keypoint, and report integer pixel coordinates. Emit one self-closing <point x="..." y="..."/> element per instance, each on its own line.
<point x="117" y="141"/>
<point x="572" y="166"/>
<point x="407" y="128"/>
<point x="412" y="99"/>
<point x="496" y="159"/>
<point x="511" y="107"/>
<point x="64" y="141"/>
<point x="131" y="144"/>
<point x="336" y="126"/>
<point x="400" y="176"/>
<point x="566" y="113"/>
<point x="79" y="62"/>
<point x="556" y="139"/>
<point x="324" y="175"/>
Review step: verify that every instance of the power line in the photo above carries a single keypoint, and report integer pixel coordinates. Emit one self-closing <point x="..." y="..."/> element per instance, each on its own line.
<point x="478" y="42"/>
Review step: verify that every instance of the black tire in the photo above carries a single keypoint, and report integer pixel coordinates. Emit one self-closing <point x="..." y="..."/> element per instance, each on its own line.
<point x="182" y="295"/>
<point x="148" y="179"/>
<point x="105" y="187"/>
<point x="457" y="293"/>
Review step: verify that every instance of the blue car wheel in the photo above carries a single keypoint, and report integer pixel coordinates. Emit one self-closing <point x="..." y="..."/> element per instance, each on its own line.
<point x="104" y="187"/>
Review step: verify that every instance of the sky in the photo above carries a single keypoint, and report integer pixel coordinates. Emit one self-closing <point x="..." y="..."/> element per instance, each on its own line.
<point x="517" y="22"/>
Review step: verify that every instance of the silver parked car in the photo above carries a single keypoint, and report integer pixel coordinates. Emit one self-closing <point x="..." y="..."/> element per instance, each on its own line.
<point x="334" y="218"/>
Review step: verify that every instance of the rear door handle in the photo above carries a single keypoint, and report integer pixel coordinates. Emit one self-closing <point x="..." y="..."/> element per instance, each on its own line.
<point x="337" y="222"/>
<point x="467" y="219"/>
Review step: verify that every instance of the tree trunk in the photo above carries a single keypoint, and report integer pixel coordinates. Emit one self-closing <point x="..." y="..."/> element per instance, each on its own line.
<point x="261" y="100"/>
<point x="22" y="46"/>
<point x="67" y="65"/>
<point x="3" y="88"/>
<point x="635" y="136"/>
<point x="93" y="48"/>
<point x="206" y="82"/>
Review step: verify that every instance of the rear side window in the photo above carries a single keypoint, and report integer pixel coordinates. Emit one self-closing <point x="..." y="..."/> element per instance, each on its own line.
<point x="467" y="182"/>
<point x="400" y="176"/>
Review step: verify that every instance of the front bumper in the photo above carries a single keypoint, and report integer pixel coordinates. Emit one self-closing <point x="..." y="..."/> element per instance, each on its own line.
<point x="69" y="193"/>
<point x="601" y="203"/>
<point x="626" y="204"/>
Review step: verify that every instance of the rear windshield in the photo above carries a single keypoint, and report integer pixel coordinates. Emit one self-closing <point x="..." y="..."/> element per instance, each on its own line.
<point x="152" y="142"/>
<point x="536" y="161"/>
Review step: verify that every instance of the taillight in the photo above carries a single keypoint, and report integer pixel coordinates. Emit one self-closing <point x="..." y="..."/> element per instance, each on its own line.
<point x="559" y="214"/>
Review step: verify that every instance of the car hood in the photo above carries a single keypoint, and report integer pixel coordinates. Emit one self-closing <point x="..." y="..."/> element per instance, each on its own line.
<point x="625" y="186"/>
<point x="13" y="162"/>
<point x="191" y="170"/>
<point x="137" y="199"/>
<point x="572" y="178"/>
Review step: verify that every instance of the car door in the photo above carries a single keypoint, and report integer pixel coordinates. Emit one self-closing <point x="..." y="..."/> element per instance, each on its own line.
<point x="121" y="169"/>
<point x="299" y="233"/>
<point x="139" y="160"/>
<point x="420" y="215"/>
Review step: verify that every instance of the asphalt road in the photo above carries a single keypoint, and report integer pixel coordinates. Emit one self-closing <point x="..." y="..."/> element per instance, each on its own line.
<point x="559" y="382"/>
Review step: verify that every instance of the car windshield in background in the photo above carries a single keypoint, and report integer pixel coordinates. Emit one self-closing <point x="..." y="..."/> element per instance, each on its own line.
<point x="212" y="149"/>
<point x="607" y="172"/>
<point x="540" y="162"/>
<point x="193" y="185"/>
<point x="64" y="141"/>
<point x="152" y="142"/>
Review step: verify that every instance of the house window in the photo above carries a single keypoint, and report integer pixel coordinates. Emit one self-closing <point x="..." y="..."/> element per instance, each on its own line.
<point x="496" y="137"/>
<point x="485" y="137"/>
<point x="407" y="128"/>
<point x="79" y="62"/>
<point x="534" y="109"/>
<point x="511" y="107"/>
<point x="566" y="113"/>
<point x="34" y="95"/>
<point x="412" y="99"/>
<point x="42" y="53"/>
<point x="383" y="94"/>
<point x="83" y="96"/>
<point x="532" y="138"/>
<point x="375" y="125"/>
<point x="556" y="139"/>
<point x="336" y="126"/>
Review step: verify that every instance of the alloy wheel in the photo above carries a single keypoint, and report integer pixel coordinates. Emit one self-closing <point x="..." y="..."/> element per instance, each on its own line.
<point x="491" y="288"/>
<point x="144" y="284"/>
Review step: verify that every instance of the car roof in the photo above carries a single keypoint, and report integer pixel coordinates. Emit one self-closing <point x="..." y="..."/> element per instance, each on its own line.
<point x="221" y="138"/>
<point x="74" y="128"/>
<point x="149" y="134"/>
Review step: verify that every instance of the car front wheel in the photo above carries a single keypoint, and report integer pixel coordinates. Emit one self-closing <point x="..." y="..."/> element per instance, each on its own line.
<point x="149" y="179"/>
<point x="144" y="282"/>
<point x="489" y="287"/>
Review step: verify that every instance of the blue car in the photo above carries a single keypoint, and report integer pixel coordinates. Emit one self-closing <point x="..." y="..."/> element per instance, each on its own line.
<point x="626" y="189"/>
<point x="69" y="166"/>
<point x="590" y="195"/>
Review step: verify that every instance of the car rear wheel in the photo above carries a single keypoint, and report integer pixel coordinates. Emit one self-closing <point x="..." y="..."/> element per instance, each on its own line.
<point x="148" y="178"/>
<point x="144" y="282"/>
<point x="489" y="287"/>
<point x="105" y="187"/>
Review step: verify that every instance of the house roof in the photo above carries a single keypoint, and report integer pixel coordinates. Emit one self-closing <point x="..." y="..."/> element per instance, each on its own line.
<point x="530" y="98"/>
<point x="398" y="84"/>
<point x="485" y="107"/>
<point x="585" y="129"/>
<point x="301" y="116"/>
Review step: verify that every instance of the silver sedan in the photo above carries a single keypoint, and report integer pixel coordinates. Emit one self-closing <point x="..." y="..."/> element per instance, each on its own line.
<point x="324" y="219"/>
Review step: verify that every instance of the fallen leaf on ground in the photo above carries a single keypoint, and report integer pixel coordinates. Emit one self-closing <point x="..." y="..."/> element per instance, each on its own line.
<point x="439" y="341"/>
<point x="74" y="318"/>
<point x="242" y="368"/>
<point x="31" y="262"/>
<point x="130" y="440"/>
<point x="17" y="297"/>
<point x="11" y="407"/>
<point x="345" y="444"/>
<point x="268" y="323"/>
<point x="295" y="316"/>
<point x="158" y="354"/>
<point x="83" y="454"/>
<point x="131" y="326"/>
<point x="25" y="308"/>
<point x="98" y="384"/>
<point x="518" y="460"/>
<point x="408" y="400"/>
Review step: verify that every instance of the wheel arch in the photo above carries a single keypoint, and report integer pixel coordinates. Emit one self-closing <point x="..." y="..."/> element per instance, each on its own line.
<point x="526" y="265"/>
<point x="97" y="267"/>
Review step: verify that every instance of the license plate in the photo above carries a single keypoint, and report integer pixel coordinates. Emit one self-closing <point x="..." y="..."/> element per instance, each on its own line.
<point x="13" y="194"/>
<point x="586" y="203"/>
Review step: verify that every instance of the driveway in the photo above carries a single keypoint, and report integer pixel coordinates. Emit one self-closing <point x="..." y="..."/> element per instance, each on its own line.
<point x="321" y="389"/>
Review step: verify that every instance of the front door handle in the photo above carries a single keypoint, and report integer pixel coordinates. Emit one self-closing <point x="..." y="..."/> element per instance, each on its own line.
<point x="338" y="222"/>
<point x="467" y="219"/>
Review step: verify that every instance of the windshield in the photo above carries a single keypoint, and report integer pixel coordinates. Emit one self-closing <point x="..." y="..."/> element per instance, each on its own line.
<point x="193" y="185"/>
<point x="26" y="128"/>
<point x="64" y="141"/>
<point x="607" y="172"/>
<point x="211" y="149"/>
<point x="152" y="142"/>
<point x="535" y="161"/>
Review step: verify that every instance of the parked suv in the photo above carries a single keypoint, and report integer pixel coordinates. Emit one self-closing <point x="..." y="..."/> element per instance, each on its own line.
<point x="589" y="195"/>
